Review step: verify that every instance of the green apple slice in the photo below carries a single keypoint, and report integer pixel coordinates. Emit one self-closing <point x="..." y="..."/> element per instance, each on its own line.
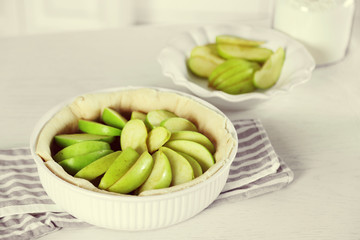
<point x="75" y="164"/>
<point x="157" y="137"/>
<point x="236" y="78"/>
<point x="65" y="140"/>
<point x="178" y="124"/>
<point x="119" y="167"/>
<point x="138" y="115"/>
<point x="201" y="66"/>
<point x="195" y="137"/>
<point x="98" y="167"/>
<point x="98" y="128"/>
<point x="244" y="86"/>
<point x="194" y="164"/>
<point x="160" y="176"/>
<point x="181" y="169"/>
<point x="155" y="117"/>
<point x="241" y="87"/>
<point x="270" y="72"/>
<point x="201" y="154"/>
<point x="204" y="59"/>
<point x="249" y="53"/>
<point x="228" y="64"/>
<point x="134" y="135"/>
<point x="208" y="49"/>
<point x="135" y="176"/>
<point x="255" y="66"/>
<point x="209" y="52"/>
<point x="113" y="118"/>
<point x="237" y="40"/>
<point x="230" y="72"/>
<point x="80" y="148"/>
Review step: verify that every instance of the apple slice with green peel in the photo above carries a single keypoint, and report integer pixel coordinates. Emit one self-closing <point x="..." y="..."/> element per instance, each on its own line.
<point x="135" y="176"/>
<point x="202" y="50"/>
<point x="119" y="167"/>
<point x="270" y="72"/>
<point x="178" y="124"/>
<point x="75" y="164"/>
<point x="229" y="73"/>
<point x="80" y="148"/>
<point x="138" y="115"/>
<point x="194" y="164"/>
<point x="181" y="169"/>
<point x="155" y="117"/>
<point x="195" y="137"/>
<point x="237" y="40"/>
<point x="65" y="140"/>
<point x="157" y="137"/>
<point x="201" y="154"/>
<point x="236" y="78"/>
<point x="113" y="118"/>
<point x="98" y="167"/>
<point x="98" y="128"/>
<point x="241" y="87"/>
<point x="228" y="64"/>
<point x="208" y="51"/>
<point x="249" y="53"/>
<point x="203" y="60"/>
<point x="255" y="66"/>
<point x="160" y="176"/>
<point x="134" y="135"/>
<point x="244" y="86"/>
<point x="201" y="66"/>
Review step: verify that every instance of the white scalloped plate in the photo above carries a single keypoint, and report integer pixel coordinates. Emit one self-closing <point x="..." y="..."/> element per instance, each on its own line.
<point x="297" y="69"/>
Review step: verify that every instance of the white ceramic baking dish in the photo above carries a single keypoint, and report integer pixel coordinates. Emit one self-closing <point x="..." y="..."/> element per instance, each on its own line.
<point x="124" y="212"/>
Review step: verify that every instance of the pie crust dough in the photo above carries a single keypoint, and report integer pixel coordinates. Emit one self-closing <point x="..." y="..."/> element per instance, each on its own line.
<point x="90" y="106"/>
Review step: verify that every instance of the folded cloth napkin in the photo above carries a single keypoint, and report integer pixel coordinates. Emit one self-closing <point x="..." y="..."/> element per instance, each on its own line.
<point x="27" y="212"/>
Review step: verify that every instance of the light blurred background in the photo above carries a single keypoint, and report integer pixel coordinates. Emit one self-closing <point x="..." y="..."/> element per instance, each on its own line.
<point x="28" y="17"/>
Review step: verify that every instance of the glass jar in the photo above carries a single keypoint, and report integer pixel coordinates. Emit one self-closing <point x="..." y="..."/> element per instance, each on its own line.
<point x="323" y="26"/>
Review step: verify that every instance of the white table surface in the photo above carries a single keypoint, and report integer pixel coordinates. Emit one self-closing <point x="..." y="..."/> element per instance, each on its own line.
<point x="315" y="129"/>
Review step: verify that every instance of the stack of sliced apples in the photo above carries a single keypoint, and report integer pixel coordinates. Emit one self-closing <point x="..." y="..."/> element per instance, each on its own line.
<point x="236" y="65"/>
<point x="156" y="150"/>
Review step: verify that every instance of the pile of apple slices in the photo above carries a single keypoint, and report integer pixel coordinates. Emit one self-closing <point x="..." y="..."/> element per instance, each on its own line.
<point x="156" y="150"/>
<point x="236" y="65"/>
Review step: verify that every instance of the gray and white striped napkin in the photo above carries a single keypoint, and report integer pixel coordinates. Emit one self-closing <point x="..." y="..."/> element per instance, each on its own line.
<point x="26" y="212"/>
<point x="256" y="169"/>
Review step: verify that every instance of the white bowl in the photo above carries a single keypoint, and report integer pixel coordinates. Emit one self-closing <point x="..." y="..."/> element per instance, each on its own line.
<point x="297" y="69"/>
<point x="124" y="212"/>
